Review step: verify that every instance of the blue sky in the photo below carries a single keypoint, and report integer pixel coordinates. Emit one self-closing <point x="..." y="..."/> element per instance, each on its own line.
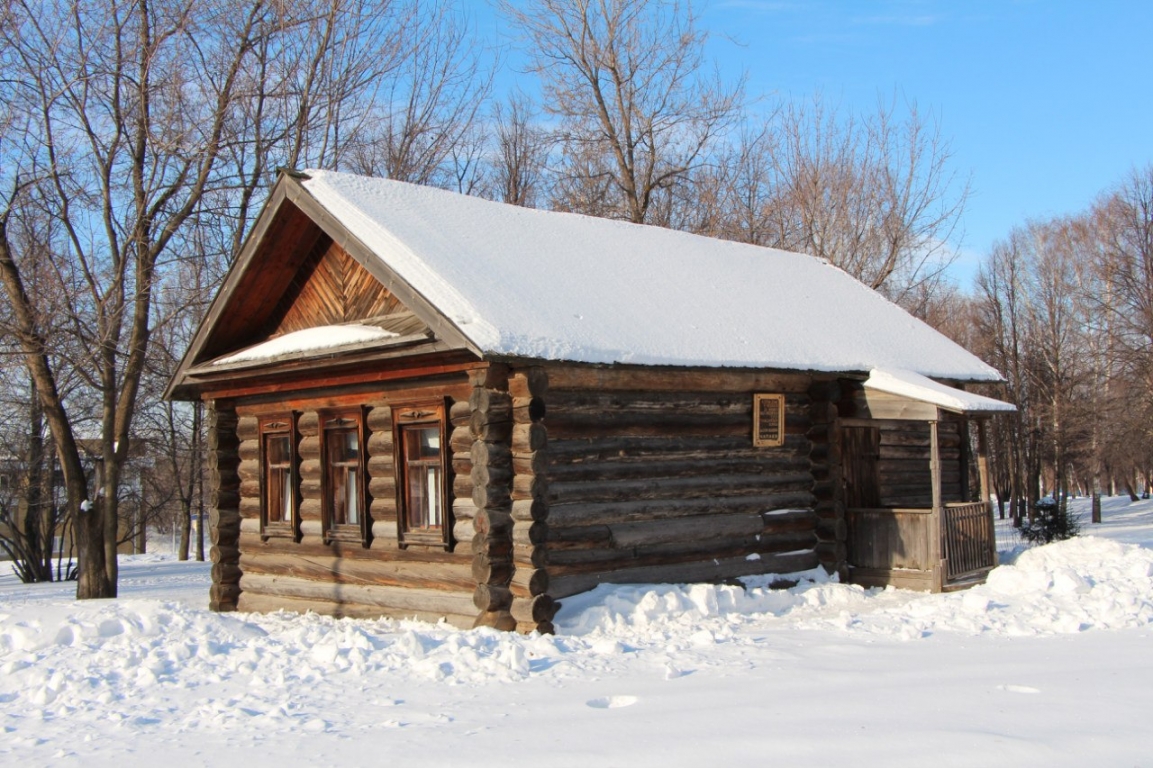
<point x="1045" y="103"/>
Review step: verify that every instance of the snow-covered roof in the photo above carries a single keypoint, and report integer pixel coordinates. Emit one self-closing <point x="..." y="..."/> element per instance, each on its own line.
<point x="325" y="338"/>
<point x="918" y="387"/>
<point x="539" y="284"/>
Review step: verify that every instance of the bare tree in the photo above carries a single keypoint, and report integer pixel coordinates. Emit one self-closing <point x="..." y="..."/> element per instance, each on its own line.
<point x="427" y="110"/>
<point x="521" y="153"/>
<point x="1120" y="228"/>
<point x="874" y="195"/>
<point x="637" y="111"/>
<point x="123" y="111"/>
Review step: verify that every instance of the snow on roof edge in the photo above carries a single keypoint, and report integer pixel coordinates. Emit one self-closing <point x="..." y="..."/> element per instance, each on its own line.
<point x="914" y="385"/>
<point x="322" y="338"/>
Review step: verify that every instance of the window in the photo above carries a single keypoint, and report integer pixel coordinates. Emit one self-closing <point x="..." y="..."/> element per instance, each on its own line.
<point x="422" y="476"/>
<point x="344" y="502"/>
<point x="768" y="421"/>
<point x="278" y="477"/>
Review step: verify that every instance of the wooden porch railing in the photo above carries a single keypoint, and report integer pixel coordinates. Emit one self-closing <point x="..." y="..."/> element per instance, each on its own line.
<point x="967" y="534"/>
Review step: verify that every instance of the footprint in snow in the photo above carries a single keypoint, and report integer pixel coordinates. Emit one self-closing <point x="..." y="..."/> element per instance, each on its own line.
<point x="612" y="702"/>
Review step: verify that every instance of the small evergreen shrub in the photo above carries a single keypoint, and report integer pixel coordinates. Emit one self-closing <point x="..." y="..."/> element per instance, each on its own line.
<point x="1054" y="522"/>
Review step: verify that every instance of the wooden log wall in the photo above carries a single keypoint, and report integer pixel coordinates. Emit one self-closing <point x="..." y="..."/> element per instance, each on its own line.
<point x="652" y="476"/>
<point x="224" y="506"/>
<point x="532" y="606"/>
<point x="828" y="491"/>
<point x="348" y="578"/>
<point x="903" y="464"/>
<point x="490" y="426"/>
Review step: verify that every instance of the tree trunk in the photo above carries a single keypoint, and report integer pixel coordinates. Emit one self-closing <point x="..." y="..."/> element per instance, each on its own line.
<point x="93" y="576"/>
<point x="185" y="528"/>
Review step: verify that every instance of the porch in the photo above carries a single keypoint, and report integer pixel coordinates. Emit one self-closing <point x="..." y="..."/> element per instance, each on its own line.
<point x="906" y="463"/>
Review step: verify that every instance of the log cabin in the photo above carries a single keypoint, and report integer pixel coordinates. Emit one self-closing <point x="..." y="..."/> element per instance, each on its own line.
<point x="432" y="405"/>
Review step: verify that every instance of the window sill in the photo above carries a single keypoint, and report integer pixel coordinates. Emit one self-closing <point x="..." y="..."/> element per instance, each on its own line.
<point x="278" y="531"/>
<point x="345" y="533"/>
<point x="425" y="538"/>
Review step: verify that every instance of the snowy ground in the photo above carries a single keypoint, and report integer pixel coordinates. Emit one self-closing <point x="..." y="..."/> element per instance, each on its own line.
<point x="1050" y="663"/>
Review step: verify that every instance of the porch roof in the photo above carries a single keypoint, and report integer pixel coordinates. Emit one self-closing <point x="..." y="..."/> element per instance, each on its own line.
<point x="904" y="383"/>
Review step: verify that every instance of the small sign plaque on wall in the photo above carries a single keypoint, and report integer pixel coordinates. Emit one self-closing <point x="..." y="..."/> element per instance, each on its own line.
<point x="768" y="421"/>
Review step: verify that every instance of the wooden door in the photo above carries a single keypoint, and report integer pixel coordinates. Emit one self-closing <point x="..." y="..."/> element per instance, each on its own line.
<point x="860" y="451"/>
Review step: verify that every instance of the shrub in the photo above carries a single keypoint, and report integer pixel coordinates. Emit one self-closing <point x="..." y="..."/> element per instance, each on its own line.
<point x="1054" y="522"/>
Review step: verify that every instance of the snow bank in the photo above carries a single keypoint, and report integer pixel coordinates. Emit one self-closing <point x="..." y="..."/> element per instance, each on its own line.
<point x="164" y="672"/>
<point x="130" y="654"/>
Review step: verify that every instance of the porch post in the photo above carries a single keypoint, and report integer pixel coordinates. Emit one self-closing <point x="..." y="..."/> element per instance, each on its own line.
<point x="986" y="495"/>
<point x="983" y="465"/>
<point x="935" y="549"/>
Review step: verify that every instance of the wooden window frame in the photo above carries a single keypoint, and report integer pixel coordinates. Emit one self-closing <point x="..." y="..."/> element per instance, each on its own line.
<point x="278" y="426"/>
<point x="422" y="415"/>
<point x="359" y="532"/>
<point x="759" y="440"/>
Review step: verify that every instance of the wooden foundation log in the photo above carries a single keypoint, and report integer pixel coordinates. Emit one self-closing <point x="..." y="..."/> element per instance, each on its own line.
<point x="568" y="561"/>
<point x="534" y="610"/>
<point x="491" y="597"/>
<point x="441" y="576"/>
<point x="432" y="601"/>
<point x="680" y="573"/>
<point x="258" y="603"/>
<point x="223" y="597"/>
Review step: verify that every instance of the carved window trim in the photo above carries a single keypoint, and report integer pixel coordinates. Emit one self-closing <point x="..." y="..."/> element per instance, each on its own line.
<point x="408" y="420"/>
<point x="343" y="473"/>
<point x="278" y="428"/>
<point x="768" y="420"/>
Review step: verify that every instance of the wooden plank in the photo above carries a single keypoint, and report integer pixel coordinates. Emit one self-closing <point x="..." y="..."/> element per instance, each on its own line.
<point x="718" y="486"/>
<point x="752" y="462"/>
<point x="561" y="516"/>
<point x="683" y="573"/>
<point x="260" y="603"/>
<point x="570" y="561"/>
<point x="899" y="578"/>
<point x="593" y="377"/>
<point x="344" y="570"/>
<point x="394" y="598"/>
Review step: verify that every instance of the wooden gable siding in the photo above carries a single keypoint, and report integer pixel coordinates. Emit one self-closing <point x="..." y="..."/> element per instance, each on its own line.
<point x="652" y="476"/>
<point x="283" y="247"/>
<point x="329" y="289"/>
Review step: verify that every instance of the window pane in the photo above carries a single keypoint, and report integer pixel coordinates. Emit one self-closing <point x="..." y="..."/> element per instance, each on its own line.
<point x="417" y="503"/>
<point x="351" y="497"/>
<point x="278" y="478"/>
<point x="422" y="458"/>
<point x="278" y="449"/>
<point x="286" y="496"/>
<point x="343" y="446"/>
